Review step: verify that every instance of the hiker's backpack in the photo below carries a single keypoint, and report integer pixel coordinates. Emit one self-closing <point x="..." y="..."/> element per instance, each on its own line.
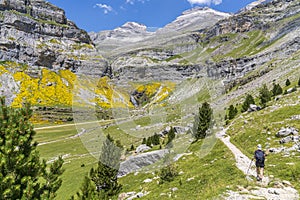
<point x="260" y="156"/>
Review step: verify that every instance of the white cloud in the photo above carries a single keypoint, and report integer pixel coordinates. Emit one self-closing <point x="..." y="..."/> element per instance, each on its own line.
<point x="133" y="1"/>
<point x="130" y="2"/>
<point x="207" y="2"/>
<point x="106" y="8"/>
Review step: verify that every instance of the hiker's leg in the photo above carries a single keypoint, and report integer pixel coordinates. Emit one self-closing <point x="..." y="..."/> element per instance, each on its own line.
<point x="258" y="172"/>
<point x="261" y="172"/>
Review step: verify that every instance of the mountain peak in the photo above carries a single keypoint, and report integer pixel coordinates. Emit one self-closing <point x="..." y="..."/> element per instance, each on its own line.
<point x="194" y="19"/>
<point x="203" y="10"/>
<point x="132" y="27"/>
<point x="254" y="4"/>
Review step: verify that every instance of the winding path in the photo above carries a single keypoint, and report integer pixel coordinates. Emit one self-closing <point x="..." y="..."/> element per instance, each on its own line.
<point x="260" y="192"/>
<point x="242" y="161"/>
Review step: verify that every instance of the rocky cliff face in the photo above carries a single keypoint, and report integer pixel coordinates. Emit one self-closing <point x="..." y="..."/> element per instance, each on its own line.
<point x="254" y="39"/>
<point x="226" y="46"/>
<point x="132" y="36"/>
<point x="128" y="34"/>
<point x="39" y="34"/>
<point x="137" y="54"/>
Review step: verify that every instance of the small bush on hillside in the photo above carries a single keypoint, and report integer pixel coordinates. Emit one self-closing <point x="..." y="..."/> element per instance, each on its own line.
<point x="171" y="135"/>
<point x="264" y="95"/>
<point x="287" y="82"/>
<point x="232" y="112"/>
<point x="132" y="148"/>
<point x="277" y="90"/>
<point x="144" y="141"/>
<point x="168" y="173"/>
<point x="249" y="100"/>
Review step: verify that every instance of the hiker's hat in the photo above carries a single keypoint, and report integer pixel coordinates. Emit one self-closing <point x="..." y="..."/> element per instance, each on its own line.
<point x="259" y="146"/>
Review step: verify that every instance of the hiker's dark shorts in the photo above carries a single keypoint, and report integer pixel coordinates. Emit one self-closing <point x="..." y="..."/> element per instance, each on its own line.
<point x="259" y="164"/>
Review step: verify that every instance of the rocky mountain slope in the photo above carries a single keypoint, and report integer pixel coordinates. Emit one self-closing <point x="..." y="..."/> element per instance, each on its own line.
<point x="235" y="49"/>
<point x="129" y="33"/>
<point x="155" y="81"/>
<point x="133" y="36"/>
<point x="39" y="34"/>
<point x="230" y="48"/>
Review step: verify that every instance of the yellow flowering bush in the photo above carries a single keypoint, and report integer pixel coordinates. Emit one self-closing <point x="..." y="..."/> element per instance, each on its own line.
<point x="108" y="96"/>
<point x="47" y="90"/>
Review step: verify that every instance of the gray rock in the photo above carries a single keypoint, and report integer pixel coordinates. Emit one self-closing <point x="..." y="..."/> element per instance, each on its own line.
<point x="142" y="148"/>
<point x="122" y="196"/>
<point x="135" y="163"/>
<point x="287" y="131"/>
<point x="290" y="90"/>
<point x="8" y="87"/>
<point x="139" y="195"/>
<point x="286" y="140"/>
<point x="148" y="180"/>
<point x="180" y="129"/>
<point x="295" y="117"/>
<point x="287" y="183"/>
<point x="253" y="108"/>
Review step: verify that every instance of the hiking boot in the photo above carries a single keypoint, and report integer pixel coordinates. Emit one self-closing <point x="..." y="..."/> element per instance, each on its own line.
<point x="258" y="178"/>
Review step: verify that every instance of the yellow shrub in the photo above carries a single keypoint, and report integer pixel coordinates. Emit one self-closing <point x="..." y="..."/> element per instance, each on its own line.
<point x="109" y="96"/>
<point x="47" y="90"/>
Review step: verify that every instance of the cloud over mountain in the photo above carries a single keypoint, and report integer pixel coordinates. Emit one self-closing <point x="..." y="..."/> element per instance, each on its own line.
<point x="207" y="2"/>
<point x="106" y="8"/>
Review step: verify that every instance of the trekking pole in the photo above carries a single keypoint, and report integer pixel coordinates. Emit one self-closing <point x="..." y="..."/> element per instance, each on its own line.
<point x="249" y="166"/>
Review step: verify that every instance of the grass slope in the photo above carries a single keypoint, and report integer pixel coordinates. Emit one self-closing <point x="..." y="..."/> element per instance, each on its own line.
<point x="74" y="154"/>
<point x="204" y="178"/>
<point x="260" y="127"/>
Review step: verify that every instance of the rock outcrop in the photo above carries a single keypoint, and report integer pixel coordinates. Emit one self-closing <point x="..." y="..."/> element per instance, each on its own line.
<point x="135" y="163"/>
<point x="283" y="132"/>
<point x="39" y="34"/>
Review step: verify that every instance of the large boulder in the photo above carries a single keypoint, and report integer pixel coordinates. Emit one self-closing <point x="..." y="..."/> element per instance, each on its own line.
<point x="142" y="148"/>
<point x="135" y="163"/>
<point x="286" y="140"/>
<point x="283" y="132"/>
<point x="253" y="108"/>
<point x="180" y="129"/>
<point x="290" y="90"/>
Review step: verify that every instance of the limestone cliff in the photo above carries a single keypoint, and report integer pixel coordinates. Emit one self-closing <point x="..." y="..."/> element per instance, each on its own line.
<point x="39" y="34"/>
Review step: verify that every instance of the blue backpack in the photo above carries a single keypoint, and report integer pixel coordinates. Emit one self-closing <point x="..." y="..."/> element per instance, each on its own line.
<point x="260" y="156"/>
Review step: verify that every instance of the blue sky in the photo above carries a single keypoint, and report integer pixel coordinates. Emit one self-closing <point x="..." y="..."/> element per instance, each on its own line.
<point x="97" y="15"/>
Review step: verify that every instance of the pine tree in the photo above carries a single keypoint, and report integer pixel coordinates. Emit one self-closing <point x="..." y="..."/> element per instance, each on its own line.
<point x="203" y="121"/>
<point x="287" y="82"/>
<point x="103" y="181"/>
<point x="149" y="141"/>
<point x="53" y="182"/>
<point x="88" y="190"/>
<point x="232" y="112"/>
<point x="277" y="90"/>
<point x="171" y="135"/>
<point x="22" y="174"/>
<point x="155" y="139"/>
<point x="264" y="95"/>
<point x="131" y="147"/>
<point x="144" y="141"/>
<point x="235" y="111"/>
<point x="249" y="100"/>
